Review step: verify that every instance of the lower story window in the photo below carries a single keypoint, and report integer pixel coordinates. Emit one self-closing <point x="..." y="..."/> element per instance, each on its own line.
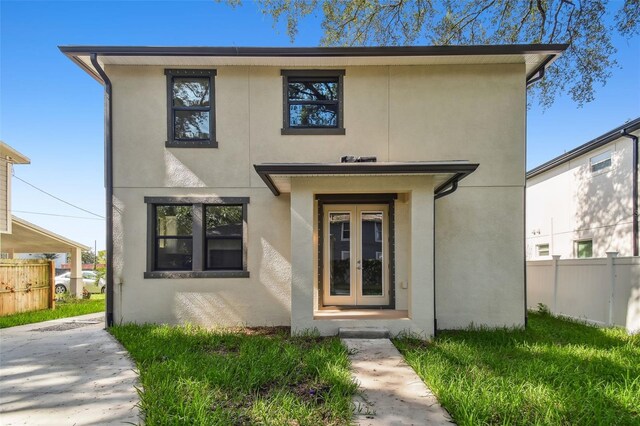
<point x="197" y="237"/>
<point x="543" y="249"/>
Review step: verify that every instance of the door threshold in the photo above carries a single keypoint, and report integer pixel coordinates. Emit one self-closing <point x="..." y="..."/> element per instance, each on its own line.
<point x="336" y="313"/>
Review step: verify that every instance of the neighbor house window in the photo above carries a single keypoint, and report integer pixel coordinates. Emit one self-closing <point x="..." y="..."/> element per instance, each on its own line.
<point x="345" y="235"/>
<point x="584" y="249"/>
<point x="600" y="162"/>
<point x="197" y="237"/>
<point x="542" y="249"/>
<point x="313" y="102"/>
<point x="190" y="108"/>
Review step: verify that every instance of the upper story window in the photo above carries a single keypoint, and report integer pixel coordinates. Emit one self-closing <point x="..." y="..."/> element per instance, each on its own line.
<point x="313" y="102"/>
<point x="601" y="162"/>
<point x="190" y="108"/>
<point x="197" y="237"/>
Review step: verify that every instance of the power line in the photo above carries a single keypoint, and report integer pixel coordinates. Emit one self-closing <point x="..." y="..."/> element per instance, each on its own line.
<point x="57" y="198"/>
<point x="58" y="215"/>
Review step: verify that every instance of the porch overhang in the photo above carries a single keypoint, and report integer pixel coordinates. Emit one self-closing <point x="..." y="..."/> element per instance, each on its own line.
<point x="277" y="176"/>
<point x="29" y="238"/>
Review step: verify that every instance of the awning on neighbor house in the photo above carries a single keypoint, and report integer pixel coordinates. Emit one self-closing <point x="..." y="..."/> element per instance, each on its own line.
<point x="277" y="176"/>
<point x="26" y="237"/>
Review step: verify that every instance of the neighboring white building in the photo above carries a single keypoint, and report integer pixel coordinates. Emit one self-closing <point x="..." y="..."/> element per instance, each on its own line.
<point x="228" y="202"/>
<point x="582" y="203"/>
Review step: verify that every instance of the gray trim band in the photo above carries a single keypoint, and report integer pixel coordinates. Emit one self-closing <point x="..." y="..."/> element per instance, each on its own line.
<point x="265" y="171"/>
<point x="501" y="49"/>
<point x="196" y="274"/>
<point x="196" y="200"/>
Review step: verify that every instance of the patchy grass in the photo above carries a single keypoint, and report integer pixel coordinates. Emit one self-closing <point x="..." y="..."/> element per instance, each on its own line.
<point x="239" y="377"/>
<point x="556" y="372"/>
<point x="65" y="308"/>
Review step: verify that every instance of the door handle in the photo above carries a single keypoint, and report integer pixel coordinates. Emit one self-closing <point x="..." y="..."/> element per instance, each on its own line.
<point x="359" y="264"/>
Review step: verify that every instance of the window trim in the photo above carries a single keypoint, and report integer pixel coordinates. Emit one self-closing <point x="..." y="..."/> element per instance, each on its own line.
<point x="538" y="250"/>
<point x="171" y="142"/>
<point x="198" y="205"/>
<point x="605" y="156"/>
<point x="577" y="250"/>
<point x="312" y="73"/>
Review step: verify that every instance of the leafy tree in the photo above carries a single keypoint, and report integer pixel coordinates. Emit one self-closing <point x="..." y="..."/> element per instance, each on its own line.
<point x="49" y="256"/>
<point x="88" y="257"/>
<point x="584" y="24"/>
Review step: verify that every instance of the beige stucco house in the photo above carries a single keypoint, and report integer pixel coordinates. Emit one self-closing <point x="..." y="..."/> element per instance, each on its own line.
<point x="230" y="202"/>
<point x="584" y="203"/>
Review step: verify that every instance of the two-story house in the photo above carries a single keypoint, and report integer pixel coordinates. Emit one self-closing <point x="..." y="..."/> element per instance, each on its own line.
<point x="229" y="201"/>
<point x="584" y="203"/>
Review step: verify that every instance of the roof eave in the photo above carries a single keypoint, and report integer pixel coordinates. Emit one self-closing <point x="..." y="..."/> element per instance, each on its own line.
<point x="594" y="144"/>
<point x="459" y="170"/>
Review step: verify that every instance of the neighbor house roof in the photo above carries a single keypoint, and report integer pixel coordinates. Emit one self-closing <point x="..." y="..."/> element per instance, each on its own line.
<point x="535" y="56"/>
<point x="26" y="237"/>
<point x="277" y="176"/>
<point x="611" y="135"/>
<point x="12" y="155"/>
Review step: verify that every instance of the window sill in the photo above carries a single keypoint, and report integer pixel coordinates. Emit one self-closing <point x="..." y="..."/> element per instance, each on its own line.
<point x="313" y="131"/>
<point x="196" y="274"/>
<point x="195" y="144"/>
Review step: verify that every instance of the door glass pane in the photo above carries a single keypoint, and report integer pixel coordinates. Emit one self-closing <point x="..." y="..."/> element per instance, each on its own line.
<point x="372" y="253"/>
<point x="339" y="255"/>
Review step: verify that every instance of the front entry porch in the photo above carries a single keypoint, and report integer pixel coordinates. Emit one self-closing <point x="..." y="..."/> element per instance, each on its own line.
<point x="362" y="252"/>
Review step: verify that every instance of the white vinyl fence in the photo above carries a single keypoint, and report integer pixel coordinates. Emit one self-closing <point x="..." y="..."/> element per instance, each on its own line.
<point x="604" y="291"/>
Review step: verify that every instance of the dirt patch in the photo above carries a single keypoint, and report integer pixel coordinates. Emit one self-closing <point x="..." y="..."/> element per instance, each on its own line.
<point x="64" y="326"/>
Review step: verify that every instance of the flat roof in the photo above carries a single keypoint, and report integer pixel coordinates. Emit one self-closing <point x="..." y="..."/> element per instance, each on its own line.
<point x="277" y="176"/>
<point x="611" y="135"/>
<point x="534" y="56"/>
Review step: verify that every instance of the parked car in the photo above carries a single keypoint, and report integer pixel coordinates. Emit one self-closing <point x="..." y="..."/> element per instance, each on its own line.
<point x="89" y="278"/>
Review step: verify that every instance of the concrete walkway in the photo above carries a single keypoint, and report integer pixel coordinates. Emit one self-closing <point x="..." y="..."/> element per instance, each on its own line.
<point x="66" y="372"/>
<point x="392" y="393"/>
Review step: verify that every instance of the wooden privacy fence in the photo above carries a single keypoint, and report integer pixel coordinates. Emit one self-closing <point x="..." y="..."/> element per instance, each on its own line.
<point x="26" y="285"/>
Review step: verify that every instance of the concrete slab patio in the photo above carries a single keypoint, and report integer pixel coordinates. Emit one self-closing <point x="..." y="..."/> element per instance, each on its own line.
<point x="66" y="372"/>
<point x="392" y="393"/>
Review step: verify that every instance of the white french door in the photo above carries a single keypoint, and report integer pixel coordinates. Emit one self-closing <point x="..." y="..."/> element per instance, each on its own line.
<point x="355" y="247"/>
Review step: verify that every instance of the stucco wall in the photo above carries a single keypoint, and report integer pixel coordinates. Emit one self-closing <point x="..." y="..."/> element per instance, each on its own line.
<point x="404" y="113"/>
<point x="570" y="203"/>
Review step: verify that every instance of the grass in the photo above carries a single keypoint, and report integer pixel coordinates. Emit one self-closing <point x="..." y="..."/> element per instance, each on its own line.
<point x="67" y="308"/>
<point x="245" y="376"/>
<point x="556" y="372"/>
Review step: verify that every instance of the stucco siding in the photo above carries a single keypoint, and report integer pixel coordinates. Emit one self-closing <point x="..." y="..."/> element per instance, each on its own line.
<point x="262" y="299"/>
<point x="480" y="265"/>
<point x="408" y="113"/>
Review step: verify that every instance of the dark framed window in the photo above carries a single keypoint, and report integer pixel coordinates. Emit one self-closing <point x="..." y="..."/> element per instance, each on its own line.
<point x="173" y="237"/>
<point x="191" y="108"/>
<point x="313" y="102"/>
<point x="197" y="237"/>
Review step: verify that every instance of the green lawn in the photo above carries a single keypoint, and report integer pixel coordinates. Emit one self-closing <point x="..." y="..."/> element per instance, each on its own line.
<point x="556" y="372"/>
<point x="68" y="308"/>
<point x="191" y="376"/>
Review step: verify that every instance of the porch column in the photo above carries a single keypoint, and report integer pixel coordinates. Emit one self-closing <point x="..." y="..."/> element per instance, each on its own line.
<point x="302" y="258"/>
<point x="75" y="283"/>
<point x="421" y="294"/>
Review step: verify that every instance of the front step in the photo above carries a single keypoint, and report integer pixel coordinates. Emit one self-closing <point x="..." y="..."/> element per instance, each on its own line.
<point x="363" y="333"/>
